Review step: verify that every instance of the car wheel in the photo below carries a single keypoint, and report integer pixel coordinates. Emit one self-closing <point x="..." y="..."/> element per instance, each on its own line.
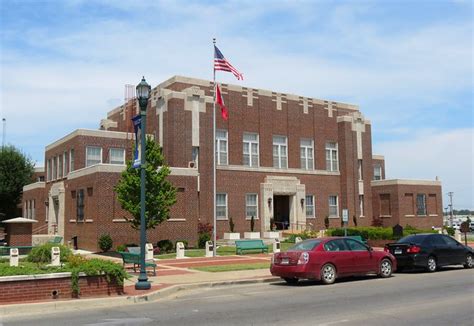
<point x="431" y="264"/>
<point x="290" y="280"/>
<point x="385" y="268"/>
<point x="469" y="263"/>
<point x="328" y="274"/>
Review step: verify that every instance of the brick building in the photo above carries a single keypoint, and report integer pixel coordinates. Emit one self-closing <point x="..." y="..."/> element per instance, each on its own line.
<point x="289" y="158"/>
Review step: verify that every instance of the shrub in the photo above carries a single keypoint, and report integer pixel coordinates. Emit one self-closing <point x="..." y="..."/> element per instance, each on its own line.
<point x="185" y="242"/>
<point x="272" y="224"/>
<point x="354" y="219"/>
<point x="231" y="225"/>
<point x="203" y="238"/>
<point x="122" y="247"/>
<point x="42" y="254"/>
<point x="303" y="235"/>
<point x="204" y="228"/>
<point x="377" y="222"/>
<point x="326" y="222"/>
<point x="450" y="230"/>
<point x="105" y="242"/>
<point x="165" y="245"/>
<point x="252" y="224"/>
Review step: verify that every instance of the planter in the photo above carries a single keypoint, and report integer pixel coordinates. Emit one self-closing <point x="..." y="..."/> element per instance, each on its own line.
<point x="231" y="236"/>
<point x="271" y="235"/>
<point x="252" y="235"/>
<point x="57" y="286"/>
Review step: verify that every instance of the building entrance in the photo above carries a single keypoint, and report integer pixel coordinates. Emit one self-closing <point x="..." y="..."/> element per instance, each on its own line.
<point x="281" y="209"/>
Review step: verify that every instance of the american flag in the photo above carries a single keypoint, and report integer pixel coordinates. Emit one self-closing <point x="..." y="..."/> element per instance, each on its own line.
<point x="221" y="63"/>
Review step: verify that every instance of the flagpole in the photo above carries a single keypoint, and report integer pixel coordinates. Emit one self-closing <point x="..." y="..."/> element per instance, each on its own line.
<point x="214" y="230"/>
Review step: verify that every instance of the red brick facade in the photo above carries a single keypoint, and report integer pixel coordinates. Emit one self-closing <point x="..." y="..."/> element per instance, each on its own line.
<point x="179" y="116"/>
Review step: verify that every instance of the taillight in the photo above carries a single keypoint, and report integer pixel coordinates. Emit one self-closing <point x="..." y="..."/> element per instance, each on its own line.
<point x="304" y="258"/>
<point x="386" y="249"/>
<point x="413" y="250"/>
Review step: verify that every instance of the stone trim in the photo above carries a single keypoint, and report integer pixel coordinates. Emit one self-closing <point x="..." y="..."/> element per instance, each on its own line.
<point x="39" y="169"/>
<point x="378" y="157"/>
<point x="36" y="277"/>
<point x="119" y="220"/>
<point x="274" y="170"/>
<point x="97" y="168"/>
<point x="263" y="92"/>
<point x="91" y="133"/>
<point x="36" y="185"/>
<point x="391" y="182"/>
<point x="177" y="220"/>
<point x="119" y="168"/>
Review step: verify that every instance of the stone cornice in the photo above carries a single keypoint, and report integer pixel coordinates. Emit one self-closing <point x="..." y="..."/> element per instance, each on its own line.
<point x="91" y="133"/>
<point x="36" y="185"/>
<point x="405" y="182"/>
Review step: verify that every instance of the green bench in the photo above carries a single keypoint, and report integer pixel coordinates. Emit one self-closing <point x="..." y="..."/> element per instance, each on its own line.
<point x="131" y="258"/>
<point x="358" y="238"/>
<point x="245" y="245"/>
<point x="23" y="250"/>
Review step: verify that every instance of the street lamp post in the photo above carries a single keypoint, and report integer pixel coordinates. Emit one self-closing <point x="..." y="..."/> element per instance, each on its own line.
<point x="143" y="94"/>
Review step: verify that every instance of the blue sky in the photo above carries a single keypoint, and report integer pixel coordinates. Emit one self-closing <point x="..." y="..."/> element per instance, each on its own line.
<point x="407" y="64"/>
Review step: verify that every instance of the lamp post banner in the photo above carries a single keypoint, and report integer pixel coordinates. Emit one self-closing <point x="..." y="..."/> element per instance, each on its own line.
<point x="137" y="126"/>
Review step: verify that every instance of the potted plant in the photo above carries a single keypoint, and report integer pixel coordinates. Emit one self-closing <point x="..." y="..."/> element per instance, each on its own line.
<point x="272" y="234"/>
<point x="252" y="234"/>
<point x="231" y="235"/>
<point x="326" y="222"/>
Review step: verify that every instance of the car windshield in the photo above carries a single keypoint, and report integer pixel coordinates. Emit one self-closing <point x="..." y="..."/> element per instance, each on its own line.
<point x="306" y="245"/>
<point x="414" y="238"/>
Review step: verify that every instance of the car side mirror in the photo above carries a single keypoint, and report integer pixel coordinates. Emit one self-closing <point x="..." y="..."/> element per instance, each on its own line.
<point x="370" y="249"/>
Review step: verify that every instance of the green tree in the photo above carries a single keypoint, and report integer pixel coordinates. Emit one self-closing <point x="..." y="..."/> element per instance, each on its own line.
<point x="160" y="194"/>
<point x="16" y="171"/>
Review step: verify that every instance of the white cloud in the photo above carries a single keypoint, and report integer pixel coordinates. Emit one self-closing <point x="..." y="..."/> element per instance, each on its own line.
<point x="430" y="153"/>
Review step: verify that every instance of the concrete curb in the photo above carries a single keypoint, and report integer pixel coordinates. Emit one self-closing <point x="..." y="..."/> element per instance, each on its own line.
<point x="108" y="302"/>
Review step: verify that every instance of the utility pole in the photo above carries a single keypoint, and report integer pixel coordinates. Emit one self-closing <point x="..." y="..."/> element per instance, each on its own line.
<point x="450" y="194"/>
<point x="4" y="133"/>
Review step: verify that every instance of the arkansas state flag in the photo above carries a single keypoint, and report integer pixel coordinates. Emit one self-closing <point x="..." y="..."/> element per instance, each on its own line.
<point x="220" y="101"/>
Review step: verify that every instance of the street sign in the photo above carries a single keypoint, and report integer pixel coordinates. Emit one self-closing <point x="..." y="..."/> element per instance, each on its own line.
<point x="345" y="215"/>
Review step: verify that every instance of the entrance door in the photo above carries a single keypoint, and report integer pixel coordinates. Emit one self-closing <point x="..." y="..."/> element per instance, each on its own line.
<point x="281" y="210"/>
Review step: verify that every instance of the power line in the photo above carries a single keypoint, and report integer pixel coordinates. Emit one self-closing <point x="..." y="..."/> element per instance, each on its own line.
<point x="450" y="194"/>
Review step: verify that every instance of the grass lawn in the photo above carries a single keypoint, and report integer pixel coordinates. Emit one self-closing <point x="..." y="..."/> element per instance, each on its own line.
<point x="232" y="267"/>
<point x="221" y="251"/>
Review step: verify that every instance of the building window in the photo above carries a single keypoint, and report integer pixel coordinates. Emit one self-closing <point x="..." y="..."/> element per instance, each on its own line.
<point x="385" y="207"/>
<point x="221" y="206"/>
<point x="377" y="172"/>
<point x="250" y="151"/>
<point x="71" y="160"/>
<point x="48" y="170"/>
<point x="306" y="154"/>
<point x="33" y="209"/>
<point x="280" y="152"/>
<point x="421" y="204"/>
<point x="93" y="155"/>
<point x="361" y="205"/>
<point x="117" y="156"/>
<point x="333" y="206"/>
<point x="221" y="147"/>
<point x="251" y="205"/>
<point x="332" y="157"/>
<point x="80" y="205"/>
<point x="55" y="168"/>
<point x="195" y="156"/>
<point x="65" y="164"/>
<point x="360" y="171"/>
<point x="309" y="199"/>
<point x="60" y="164"/>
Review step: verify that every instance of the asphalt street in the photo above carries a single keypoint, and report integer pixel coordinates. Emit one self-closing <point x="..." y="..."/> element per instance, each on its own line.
<point x="409" y="298"/>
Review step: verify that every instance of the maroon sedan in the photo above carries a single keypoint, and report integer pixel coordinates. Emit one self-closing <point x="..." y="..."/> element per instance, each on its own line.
<point x="326" y="259"/>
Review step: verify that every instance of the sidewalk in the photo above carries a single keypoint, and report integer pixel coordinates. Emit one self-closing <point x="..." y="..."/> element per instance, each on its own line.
<point x="173" y="275"/>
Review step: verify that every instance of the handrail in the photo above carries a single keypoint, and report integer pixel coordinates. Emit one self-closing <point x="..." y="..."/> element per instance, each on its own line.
<point x="40" y="229"/>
